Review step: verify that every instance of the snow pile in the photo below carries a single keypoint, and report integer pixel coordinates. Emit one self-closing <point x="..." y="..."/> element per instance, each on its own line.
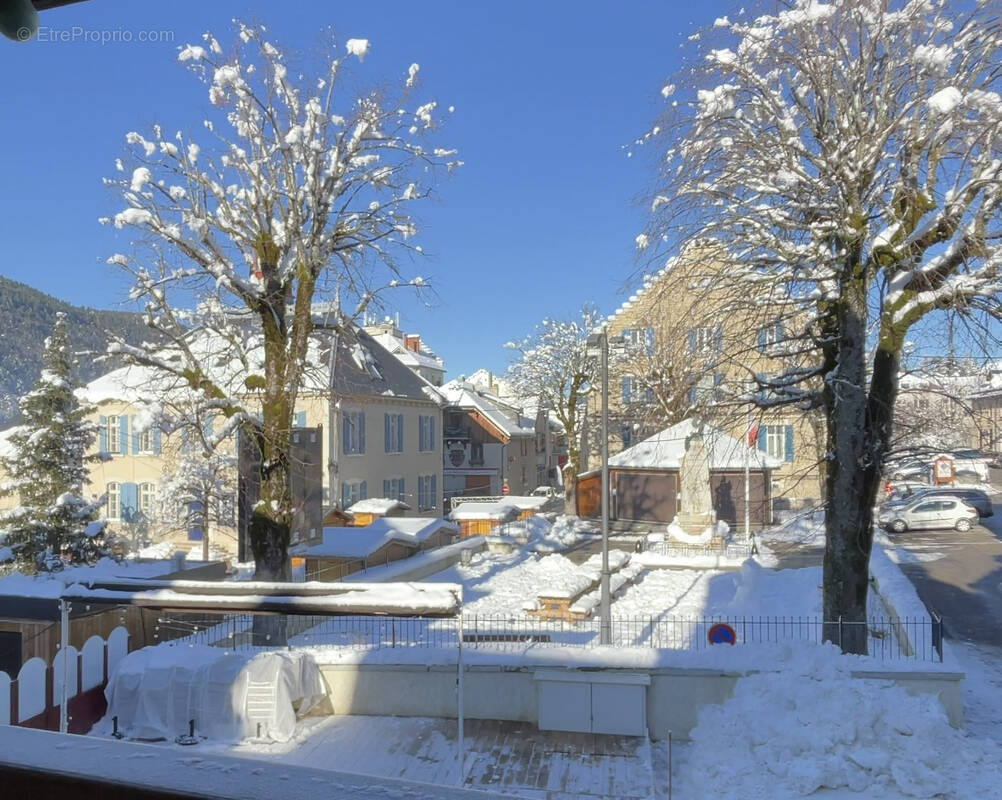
<point x="787" y="734"/>
<point x="566" y="532"/>
<point x="156" y="690"/>
<point x="805" y="529"/>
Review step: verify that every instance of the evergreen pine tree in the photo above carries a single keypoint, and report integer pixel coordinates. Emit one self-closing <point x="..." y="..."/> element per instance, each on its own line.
<point x="47" y="468"/>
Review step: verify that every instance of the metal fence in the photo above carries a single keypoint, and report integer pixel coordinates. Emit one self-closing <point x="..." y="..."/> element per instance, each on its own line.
<point x="886" y="638"/>
<point x="730" y="550"/>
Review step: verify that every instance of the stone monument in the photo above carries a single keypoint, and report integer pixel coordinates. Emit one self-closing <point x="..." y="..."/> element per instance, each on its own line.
<point x="696" y="512"/>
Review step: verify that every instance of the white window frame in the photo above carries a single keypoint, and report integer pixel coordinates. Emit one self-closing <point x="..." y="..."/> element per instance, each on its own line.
<point x="146" y="441"/>
<point x="775" y="441"/>
<point x="146" y="498"/>
<point x="113" y="435"/>
<point x="705" y="338"/>
<point x="354" y="492"/>
<point x="113" y="501"/>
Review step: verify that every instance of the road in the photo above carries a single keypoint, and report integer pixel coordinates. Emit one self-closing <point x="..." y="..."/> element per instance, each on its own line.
<point x="959" y="575"/>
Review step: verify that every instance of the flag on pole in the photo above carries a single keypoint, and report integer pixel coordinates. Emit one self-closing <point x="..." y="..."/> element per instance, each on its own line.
<point x="752" y="435"/>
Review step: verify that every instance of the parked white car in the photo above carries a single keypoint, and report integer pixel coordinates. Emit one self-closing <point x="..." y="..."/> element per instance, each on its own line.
<point x="929" y="513"/>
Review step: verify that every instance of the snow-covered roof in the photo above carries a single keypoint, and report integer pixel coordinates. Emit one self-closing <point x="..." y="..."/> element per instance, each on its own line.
<point x="498" y="510"/>
<point x="462" y="394"/>
<point x="423" y="358"/>
<point x="526" y="502"/>
<point x="377" y="505"/>
<point x="364" y="541"/>
<point x="664" y="450"/>
<point x="648" y="282"/>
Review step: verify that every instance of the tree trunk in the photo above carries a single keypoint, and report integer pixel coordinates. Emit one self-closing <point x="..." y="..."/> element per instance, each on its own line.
<point x="570" y="491"/>
<point x="859" y="428"/>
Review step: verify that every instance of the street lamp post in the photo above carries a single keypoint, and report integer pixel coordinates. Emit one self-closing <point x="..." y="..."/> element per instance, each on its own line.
<point x="600" y="341"/>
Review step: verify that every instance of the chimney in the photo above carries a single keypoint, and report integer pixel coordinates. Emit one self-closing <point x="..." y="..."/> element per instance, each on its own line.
<point x="412" y="342"/>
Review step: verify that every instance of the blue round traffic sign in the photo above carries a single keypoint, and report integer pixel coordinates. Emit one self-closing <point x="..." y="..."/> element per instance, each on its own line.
<point x="722" y="633"/>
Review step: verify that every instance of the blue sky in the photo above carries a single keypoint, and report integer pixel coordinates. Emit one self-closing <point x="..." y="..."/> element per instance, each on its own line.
<point x="547" y="95"/>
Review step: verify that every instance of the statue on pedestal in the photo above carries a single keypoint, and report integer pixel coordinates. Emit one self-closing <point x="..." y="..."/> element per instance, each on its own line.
<point x="696" y="513"/>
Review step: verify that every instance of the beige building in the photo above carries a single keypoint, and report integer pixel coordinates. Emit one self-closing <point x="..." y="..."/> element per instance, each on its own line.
<point x="381" y="429"/>
<point x="684" y="347"/>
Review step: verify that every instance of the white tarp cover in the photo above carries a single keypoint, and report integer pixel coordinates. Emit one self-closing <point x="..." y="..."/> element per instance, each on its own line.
<point x="156" y="690"/>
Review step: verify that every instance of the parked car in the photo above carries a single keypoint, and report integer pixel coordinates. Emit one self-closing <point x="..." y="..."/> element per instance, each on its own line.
<point x="973" y="497"/>
<point x="927" y="513"/>
<point x="908" y="468"/>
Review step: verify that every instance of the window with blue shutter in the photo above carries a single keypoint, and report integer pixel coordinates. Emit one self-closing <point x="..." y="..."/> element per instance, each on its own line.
<point x="156" y="441"/>
<point x="386" y="433"/>
<point x="300" y="419"/>
<point x="102" y="434"/>
<point x="761" y="437"/>
<point x="649" y="341"/>
<point x="626" y="434"/>
<point x="691" y="335"/>
<point x="386" y="488"/>
<point x="789" y="444"/>
<point x="207" y="426"/>
<point x="401" y="496"/>
<point x="400" y="433"/>
<point x="422" y="498"/>
<point x="363" y="491"/>
<point x="123" y="434"/>
<point x="626" y="386"/>
<point x="135" y="436"/>
<point x="421" y="444"/>
<point x="361" y="431"/>
<point x="130" y="501"/>
<point x="345" y="493"/>
<point x="434" y="492"/>
<point x="346" y="434"/>
<point x="718" y="338"/>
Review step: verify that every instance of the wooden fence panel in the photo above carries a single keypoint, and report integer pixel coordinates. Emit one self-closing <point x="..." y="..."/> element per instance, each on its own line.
<point x="92" y="663"/>
<point x="71" y="674"/>
<point x="31" y="689"/>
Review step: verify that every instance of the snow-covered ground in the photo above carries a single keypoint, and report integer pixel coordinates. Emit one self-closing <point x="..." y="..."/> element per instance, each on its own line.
<point x="811" y="730"/>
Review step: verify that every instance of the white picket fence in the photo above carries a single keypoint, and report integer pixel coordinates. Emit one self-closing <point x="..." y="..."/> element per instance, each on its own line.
<point x="84" y="670"/>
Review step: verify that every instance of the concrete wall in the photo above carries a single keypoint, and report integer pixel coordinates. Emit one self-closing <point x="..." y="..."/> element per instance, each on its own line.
<point x="674" y="697"/>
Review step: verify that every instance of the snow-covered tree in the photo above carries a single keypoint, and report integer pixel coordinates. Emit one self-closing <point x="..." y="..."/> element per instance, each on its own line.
<point x="552" y="368"/>
<point x="847" y="156"/>
<point x="300" y="190"/>
<point x="47" y="470"/>
<point x="199" y="491"/>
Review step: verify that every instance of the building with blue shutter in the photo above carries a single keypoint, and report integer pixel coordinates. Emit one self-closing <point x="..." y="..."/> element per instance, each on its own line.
<point x="679" y="351"/>
<point x="380" y="431"/>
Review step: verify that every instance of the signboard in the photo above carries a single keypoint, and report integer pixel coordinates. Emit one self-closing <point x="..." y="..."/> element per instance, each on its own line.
<point x="942" y="470"/>
<point x="722" y="633"/>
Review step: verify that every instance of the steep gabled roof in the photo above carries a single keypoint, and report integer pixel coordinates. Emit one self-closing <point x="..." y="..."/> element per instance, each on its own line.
<point x="364" y="368"/>
<point x="459" y="394"/>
